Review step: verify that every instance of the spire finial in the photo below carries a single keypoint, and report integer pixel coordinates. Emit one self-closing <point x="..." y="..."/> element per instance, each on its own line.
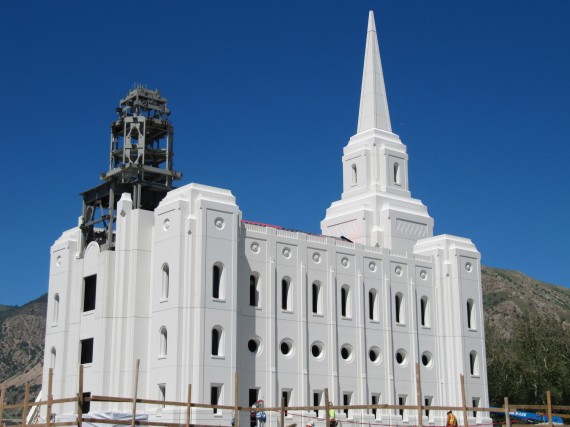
<point x="374" y="112"/>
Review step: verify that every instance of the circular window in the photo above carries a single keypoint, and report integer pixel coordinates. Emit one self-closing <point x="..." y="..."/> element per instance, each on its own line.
<point x="427" y="359"/>
<point x="255" y="247"/>
<point x="286" y="347"/>
<point x="398" y="270"/>
<point x="346" y="352"/>
<point x="219" y="223"/>
<point x="318" y="350"/>
<point x="375" y="355"/>
<point x="401" y="357"/>
<point x="254" y="345"/>
<point x="372" y="266"/>
<point x="468" y="267"/>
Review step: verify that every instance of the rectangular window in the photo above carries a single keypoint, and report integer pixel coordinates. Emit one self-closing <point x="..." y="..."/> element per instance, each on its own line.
<point x="215" y="397"/>
<point x="375" y="400"/>
<point x="162" y="394"/>
<point x="286" y="396"/>
<point x="317" y="400"/>
<point x="86" y="405"/>
<point x="475" y="402"/>
<point x="86" y="351"/>
<point x="346" y="398"/>
<point x="89" y="291"/>
<point x="402" y="402"/>
<point x="253" y="398"/>
<point x="427" y="404"/>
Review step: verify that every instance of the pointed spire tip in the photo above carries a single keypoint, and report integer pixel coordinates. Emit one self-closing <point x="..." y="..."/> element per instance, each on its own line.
<point x="371" y="23"/>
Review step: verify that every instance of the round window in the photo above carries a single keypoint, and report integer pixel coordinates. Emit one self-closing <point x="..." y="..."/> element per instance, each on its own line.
<point x="401" y="357"/>
<point x="346" y="352"/>
<point x="254" y="345"/>
<point x="375" y="355"/>
<point x="427" y="360"/>
<point x="286" y="347"/>
<point x="318" y="350"/>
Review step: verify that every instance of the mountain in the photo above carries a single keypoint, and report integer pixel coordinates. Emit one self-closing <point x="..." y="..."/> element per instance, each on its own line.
<point x="509" y="297"/>
<point x="22" y="331"/>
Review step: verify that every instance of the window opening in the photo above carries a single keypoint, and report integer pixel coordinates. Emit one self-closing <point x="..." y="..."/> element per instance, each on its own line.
<point x="162" y="394"/>
<point x="286" y="396"/>
<point x="424" y="311"/>
<point x="317" y="298"/>
<point x="163" y="350"/>
<point x="427" y="404"/>
<point x="217" y="341"/>
<point x="86" y="404"/>
<point x="55" y="309"/>
<point x="286" y="294"/>
<point x="215" y="397"/>
<point x="375" y="400"/>
<point x="373" y="305"/>
<point x="253" y="290"/>
<point x="402" y="402"/>
<point x="253" y="398"/>
<point x="475" y="403"/>
<point x="354" y="175"/>
<point x="397" y="173"/>
<point x="217" y="272"/>
<point x="471" y="321"/>
<point x="165" y="282"/>
<point x="317" y="400"/>
<point x="346" y="398"/>
<point x="52" y="359"/>
<point x="345" y="302"/>
<point x="399" y="308"/>
<point x="87" y="351"/>
<point x="89" y="291"/>
<point x="474" y="363"/>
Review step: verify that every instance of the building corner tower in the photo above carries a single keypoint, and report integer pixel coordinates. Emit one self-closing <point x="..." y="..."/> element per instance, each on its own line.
<point x="376" y="208"/>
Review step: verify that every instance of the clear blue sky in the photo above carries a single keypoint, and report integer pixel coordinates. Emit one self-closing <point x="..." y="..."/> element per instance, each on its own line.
<point x="264" y="96"/>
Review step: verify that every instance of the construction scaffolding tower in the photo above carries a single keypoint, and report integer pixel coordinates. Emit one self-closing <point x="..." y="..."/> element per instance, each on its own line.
<point x="140" y="164"/>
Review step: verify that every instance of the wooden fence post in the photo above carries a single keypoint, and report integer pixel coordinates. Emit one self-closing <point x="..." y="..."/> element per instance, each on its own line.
<point x="236" y="397"/>
<point x="49" y="397"/>
<point x="549" y="403"/>
<point x="188" y="407"/>
<point x="463" y="403"/>
<point x="507" y="416"/>
<point x="282" y="411"/>
<point x="135" y="390"/>
<point x="25" y="405"/>
<point x="80" y="398"/>
<point x="419" y="394"/>
<point x="327" y="417"/>
<point x="2" y="398"/>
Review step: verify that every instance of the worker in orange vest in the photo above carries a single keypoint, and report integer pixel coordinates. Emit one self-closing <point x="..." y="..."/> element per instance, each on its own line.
<point x="451" y="420"/>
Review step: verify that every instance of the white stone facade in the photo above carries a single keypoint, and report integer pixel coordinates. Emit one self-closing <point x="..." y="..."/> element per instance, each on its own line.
<point x="196" y="293"/>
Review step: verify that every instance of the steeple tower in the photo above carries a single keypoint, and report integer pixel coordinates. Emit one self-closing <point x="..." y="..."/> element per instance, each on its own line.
<point x="374" y="112"/>
<point x="376" y="207"/>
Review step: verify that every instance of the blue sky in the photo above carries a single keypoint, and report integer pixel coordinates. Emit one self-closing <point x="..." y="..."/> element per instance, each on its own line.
<point x="264" y="96"/>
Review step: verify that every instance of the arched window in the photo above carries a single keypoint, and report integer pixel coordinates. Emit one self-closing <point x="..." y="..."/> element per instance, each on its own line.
<point x="397" y="173"/>
<point x="254" y="290"/>
<point x="55" y="309"/>
<point x="317" y="299"/>
<point x="165" y="282"/>
<point x="345" y="302"/>
<point x="218" y="281"/>
<point x="286" y="297"/>
<point x="217" y="341"/>
<point x="424" y="311"/>
<point x="400" y="311"/>
<point x="52" y="359"/>
<point x="163" y="350"/>
<point x="474" y="363"/>
<point x="471" y="315"/>
<point x="354" y="180"/>
<point x="373" y="305"/>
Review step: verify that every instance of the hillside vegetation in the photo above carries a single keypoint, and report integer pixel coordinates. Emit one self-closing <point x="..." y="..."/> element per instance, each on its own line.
<point x="527" y="324"/>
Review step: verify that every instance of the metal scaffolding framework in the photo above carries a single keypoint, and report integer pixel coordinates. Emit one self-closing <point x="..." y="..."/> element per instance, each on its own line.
<point x="140" y="163"/>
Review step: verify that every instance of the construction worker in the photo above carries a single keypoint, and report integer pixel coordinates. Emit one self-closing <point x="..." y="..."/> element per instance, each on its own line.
<point x="333" y="421"/>
<point x="451" y="420"/>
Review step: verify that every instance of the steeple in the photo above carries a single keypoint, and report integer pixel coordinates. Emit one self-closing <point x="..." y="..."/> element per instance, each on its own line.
<point x="374" y="112"/>
<point x="376" y="207"/>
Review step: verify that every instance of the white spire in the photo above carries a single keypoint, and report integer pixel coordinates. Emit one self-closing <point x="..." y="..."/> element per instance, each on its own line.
<point x="373" y="102"/>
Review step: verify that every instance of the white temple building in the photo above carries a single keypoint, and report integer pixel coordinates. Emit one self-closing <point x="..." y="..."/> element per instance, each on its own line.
<point x="196" y="293"/>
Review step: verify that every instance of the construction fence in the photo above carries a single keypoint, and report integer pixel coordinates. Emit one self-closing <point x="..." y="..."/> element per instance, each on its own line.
<point x="40" y="413"/>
